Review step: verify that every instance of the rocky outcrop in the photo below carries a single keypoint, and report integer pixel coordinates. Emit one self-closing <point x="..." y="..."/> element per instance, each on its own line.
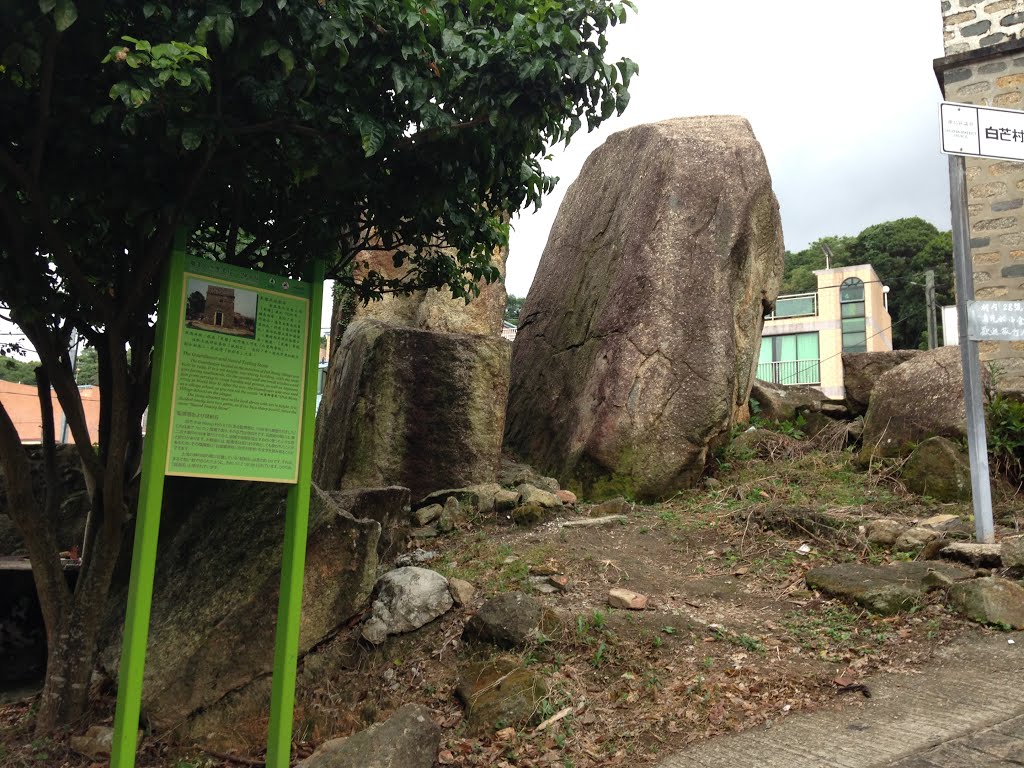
<point x="408" y="739"/>
<point x="639" y="337"/>
<point x="778" y="403"/>
<point x="939" y="468"/>
<point x="885" y="590"/>
<point x="413" y="408"/>
<point x="215" y="598"/>
<point x="922" y="398"/>
<point x="862" y="370"/>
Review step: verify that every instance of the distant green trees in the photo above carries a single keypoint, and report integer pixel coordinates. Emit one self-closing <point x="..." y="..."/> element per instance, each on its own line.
<point x="513" y="308"/>
<point x="901" y="251"/>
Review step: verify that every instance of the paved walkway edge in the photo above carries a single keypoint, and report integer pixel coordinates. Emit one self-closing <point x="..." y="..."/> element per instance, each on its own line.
<point x="973" y="685"/>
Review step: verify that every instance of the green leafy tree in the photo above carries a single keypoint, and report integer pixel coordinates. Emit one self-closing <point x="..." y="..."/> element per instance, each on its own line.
<point x="272" y="130"/>
<point x="17" y="371"/>
<point x="798" y="272"/>
<point x="901" y="251"/>
<point x="513" y="308"/>
<point x="87" y="368"/>
<point x="196" y="305"/>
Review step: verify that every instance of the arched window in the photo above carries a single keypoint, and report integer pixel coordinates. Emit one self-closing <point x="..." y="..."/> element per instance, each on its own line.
<point x="851" y="305"/>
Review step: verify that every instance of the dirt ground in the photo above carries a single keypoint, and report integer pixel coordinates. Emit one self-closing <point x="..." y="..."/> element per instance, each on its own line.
<point x="731" y="637"/>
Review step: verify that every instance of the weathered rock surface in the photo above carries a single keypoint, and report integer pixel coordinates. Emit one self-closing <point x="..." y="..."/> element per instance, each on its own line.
<point x="528" y="494"/>
<point x="990" y="601"/>
<point x="861" y="371"/>
<point x="408" y="739"/>
<point x="406" y="599"/>
<point x="972" y="553"/>
<point x="616" y="506"/>
<point x="511" y="620"/>
<point x="1011" y="553"/>
<point x="500" y="693"/>
<point x="95" y="742"/>
<point x="413" y="408"/>
<point x="922" y="398"/>
<point x="215" y="597"/>
<point x="778" y="403"/>
<point x="627" y="599"/>
<point x="639" y="337"/>
<point x="884" y="532"/>
<point x="916" y="537"/>
<point x="435" y="309"/>
<point x="939" y="468"/>
<point x="882" y="589"/>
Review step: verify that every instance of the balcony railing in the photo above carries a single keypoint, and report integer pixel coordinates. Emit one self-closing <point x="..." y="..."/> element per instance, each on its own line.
<point x="790" y="372"/>
<point x="794" y="305"/>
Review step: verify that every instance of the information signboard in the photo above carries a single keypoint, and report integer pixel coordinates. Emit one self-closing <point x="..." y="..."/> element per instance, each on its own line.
<point x="976" y="131"/>
<point x="995" y="320"/>
<point x="238" y="381"/>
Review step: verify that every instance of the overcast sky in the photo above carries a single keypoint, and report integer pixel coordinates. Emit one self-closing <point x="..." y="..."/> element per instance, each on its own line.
<point x="840" y="94"/>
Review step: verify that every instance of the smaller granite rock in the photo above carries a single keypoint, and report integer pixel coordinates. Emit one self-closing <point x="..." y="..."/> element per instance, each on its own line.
<point x="529" y="514"/>
<point x="568" y="498"/>
<point x="938" y="468"/>
<point x="884" y="532"/>
<point x="616" y="506"/>
<point x="972" y="553"/>
<point x="428" y="514"/>
<point x="511" y="620"/>
<point x="462" y="592"/>
<point x="426" y="532"/>
<point x="416" y="557"/>
<point x="529" y="494"/>
<point x="506" y="500"/>
<point x="559" y="581"/>
<point x="500" y="694"/>
<point x="96" y="742"/>
<point x="990" y="601"/>
<point x="1011" y="553"/>
<point x="625" y="598"/>
<point x="408" y="739"/>
<point x="915" y="538"/>
<point x="885" y="590"/>
<point x="542" y="586"/>
<point x="407" y="598"/>
<point x="941" y="522"/>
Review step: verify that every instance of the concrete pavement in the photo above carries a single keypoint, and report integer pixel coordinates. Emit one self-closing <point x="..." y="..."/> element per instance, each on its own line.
<point x="965" y="710"/>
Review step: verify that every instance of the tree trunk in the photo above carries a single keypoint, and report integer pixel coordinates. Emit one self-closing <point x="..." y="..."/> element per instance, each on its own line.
<point x="71" y="652"/>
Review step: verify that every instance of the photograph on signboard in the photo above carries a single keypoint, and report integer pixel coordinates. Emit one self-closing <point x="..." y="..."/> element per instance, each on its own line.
<point x="220" y="309"/>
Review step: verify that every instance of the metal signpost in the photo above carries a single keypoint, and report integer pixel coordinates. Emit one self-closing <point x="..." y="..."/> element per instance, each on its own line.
<point x="233" y="396"/>
<point x="978" y="132"/>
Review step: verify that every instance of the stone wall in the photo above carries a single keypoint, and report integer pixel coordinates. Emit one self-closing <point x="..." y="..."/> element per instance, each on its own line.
<point x="984" y="65"/>
<point x="968" y="25"/>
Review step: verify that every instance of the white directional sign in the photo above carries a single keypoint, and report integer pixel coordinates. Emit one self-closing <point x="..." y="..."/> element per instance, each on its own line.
<point x="982" y="131"/>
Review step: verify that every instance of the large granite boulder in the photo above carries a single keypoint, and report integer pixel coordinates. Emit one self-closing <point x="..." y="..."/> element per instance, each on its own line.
<point x="922" y="398"/>
<point x="430" y="310"/>
<point x="215" y="597"/>
<point x="861" y="370"/>
<point x="939" y="468"/>
<point x="415" y="408"/>
<point x="640" y="335"/>
<point x="408" y="739"/>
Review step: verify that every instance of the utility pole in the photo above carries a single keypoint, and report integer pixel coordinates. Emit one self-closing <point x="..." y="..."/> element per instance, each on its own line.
<point x="929" y="297"/>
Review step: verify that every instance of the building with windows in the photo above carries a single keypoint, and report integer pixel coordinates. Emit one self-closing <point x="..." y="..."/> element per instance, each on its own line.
<point x="806" y="334"/>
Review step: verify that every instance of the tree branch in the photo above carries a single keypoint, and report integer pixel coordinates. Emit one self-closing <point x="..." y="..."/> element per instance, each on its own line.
<point x="43" y="114"/>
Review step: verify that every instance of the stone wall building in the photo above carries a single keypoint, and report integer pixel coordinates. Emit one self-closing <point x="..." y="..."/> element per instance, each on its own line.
<point x="984" y="65"/>
<point x="220" y="306"/>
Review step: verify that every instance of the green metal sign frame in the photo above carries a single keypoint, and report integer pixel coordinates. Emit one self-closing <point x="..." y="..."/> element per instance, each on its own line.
<point x="147" y="525"/>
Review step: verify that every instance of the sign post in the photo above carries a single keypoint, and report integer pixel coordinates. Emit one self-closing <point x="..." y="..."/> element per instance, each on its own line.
<point x="233" y="396"/>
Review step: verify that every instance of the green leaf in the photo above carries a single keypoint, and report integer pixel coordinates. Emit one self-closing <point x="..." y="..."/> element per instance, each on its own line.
<point x="270" y="46"/>
<point x="65" y="14"/>
<point x="371" y="134"/>
<point x="191" y="138"/>
<point x="288" y="59"/>
<point x="148" y="9"/>
<point x="224" y="26"/>
<point x="45" y="6"/>
<point x="451" y="40"/>
<point x="249" y="7"/>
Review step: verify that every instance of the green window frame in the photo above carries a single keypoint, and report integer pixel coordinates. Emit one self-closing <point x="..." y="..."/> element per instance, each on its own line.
<point x="851" y="313"/>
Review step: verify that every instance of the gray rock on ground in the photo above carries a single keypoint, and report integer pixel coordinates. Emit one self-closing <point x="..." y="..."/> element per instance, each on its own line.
<point x="938" y="468"/>
<point x="408" y="739"/>
<point x="990" y="601"/>
<point x="407" y="598"/>
<point x="778" y="403"/>
<point x="528" y="494"/>
<point x="884" y="532"/>
<point x="861" y="371"/>
<point x="511" y="620"/>
<point x="638" y="340"/>
<point x="500" y="693"/>
<point x="922" y="398"/>
<point x="884" y="590"/>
